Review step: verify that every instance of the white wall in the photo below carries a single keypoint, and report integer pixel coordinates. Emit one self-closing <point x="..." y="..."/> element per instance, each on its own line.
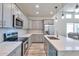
<point x="20" y="32"/>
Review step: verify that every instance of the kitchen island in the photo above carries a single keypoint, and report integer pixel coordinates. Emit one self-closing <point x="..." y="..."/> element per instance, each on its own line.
<point x="62" y="46"/>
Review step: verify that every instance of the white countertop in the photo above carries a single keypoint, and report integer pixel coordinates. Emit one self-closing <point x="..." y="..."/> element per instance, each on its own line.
<point x="26" y="35"/>
<point x="64" y="43"/>
<point x="30" y="33"/>
<point x="35" y="32"/>
<point x="7" y="47"/>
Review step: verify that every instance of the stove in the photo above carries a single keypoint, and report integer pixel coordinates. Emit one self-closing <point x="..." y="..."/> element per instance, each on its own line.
<point x="13" y="36"/>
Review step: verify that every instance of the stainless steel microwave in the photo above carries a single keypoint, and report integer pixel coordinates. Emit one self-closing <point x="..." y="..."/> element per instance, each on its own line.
<point x="17" y="22"/>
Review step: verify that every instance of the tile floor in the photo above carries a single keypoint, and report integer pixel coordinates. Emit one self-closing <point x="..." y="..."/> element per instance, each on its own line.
<point x="37" y="49"/>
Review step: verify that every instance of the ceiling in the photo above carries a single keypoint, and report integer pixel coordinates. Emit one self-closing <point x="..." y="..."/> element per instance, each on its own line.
<point x="70" y="7"/>
<point x="44" y="9"/>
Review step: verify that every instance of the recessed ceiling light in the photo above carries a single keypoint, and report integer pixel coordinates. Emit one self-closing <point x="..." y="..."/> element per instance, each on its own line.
<point x="37" y="6"/>
<point x="37" y="12"/>
<point x="51" y="12"/>
<point x="56" y="20"/>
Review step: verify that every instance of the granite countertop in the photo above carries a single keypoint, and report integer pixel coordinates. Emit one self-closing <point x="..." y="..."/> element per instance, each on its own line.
<point x="7" y="47"/>
<point x="64" y="43"/>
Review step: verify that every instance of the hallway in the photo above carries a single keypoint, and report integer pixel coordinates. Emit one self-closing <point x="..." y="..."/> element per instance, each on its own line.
<point x="37" y="49"/>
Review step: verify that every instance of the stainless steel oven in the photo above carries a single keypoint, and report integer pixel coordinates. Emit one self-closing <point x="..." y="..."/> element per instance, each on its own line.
<point x="25" y="48"/>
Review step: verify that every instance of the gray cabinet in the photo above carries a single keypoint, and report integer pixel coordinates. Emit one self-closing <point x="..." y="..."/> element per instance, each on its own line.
<point x="29" y="41"/>
<point x="25" y="22"/>
<point x="18" y="13"/>
<point x="7" y="15"/>
<point x="48" y="22"/>
<point x="7" y="10"/>
<point x="46" y="46"/>
<point x="0" y="14"/>
<point x="37" y="37"/>
<point x="15" y="10"/>
<point x="51" y="50"/>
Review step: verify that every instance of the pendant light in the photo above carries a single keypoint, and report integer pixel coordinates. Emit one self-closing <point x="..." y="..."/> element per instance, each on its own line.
<point x="77" y="8"/>
<point x="62" y="15"/>
<point x="56" y="20"/>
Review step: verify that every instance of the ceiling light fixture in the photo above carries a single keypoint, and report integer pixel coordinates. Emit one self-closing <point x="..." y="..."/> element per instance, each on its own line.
<point x="55" y="7"/>
<point x="51" y="12"/>
<point x="37" y="12"/>
<point x="62" y="15"/>
<point x="56" y="20"/>
<point x="77" y="8"/>
<point x="37" y="6"/>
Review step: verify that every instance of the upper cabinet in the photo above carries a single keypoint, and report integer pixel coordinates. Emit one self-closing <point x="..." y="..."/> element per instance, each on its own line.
<point x="25" y="23"/>
<point x="7" y="10"/>
<point x="48" y="21"/>
<point x="18" y="13"/>
<point x="7" y="15"/>
<point x="0" y="14"/>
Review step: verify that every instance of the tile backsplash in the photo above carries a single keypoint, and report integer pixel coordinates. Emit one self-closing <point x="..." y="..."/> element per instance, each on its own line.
<point x="20" y="32"/>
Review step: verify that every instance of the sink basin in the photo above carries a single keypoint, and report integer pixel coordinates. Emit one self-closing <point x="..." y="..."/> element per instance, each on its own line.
<point x="53" y="38"/>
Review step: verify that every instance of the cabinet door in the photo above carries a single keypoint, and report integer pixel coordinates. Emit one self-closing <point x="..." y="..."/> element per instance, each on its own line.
<point x="52" y="50"/>
<point x="37" y="24"/>
<point x="25" y="22"/>
<point x="0" y="14"/>
<point x="16" y="52"/>
<point x="14" y="9"/>
<point x="20" y="14"/>
<point x="29" y="41"/>
<point x="37" y="37"/>
<point x="46" y="46"/>
<point x="7" y="15"/>
<point x="49" y="22"/>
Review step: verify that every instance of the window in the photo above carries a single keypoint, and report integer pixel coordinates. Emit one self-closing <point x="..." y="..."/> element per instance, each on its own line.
<point x="77" y="16"/>
<point x="69" y="27"/>
<point x="76" y="27"/>
<point x="72" y="27"/>
<point x="68" y="16"/>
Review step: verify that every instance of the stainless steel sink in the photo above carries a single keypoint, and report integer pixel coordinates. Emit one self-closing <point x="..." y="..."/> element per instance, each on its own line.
<point x="53" y="38"/>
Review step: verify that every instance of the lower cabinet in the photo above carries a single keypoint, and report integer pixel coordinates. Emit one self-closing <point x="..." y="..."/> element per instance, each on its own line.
<point x="46" y="46"/>
<point x="37" y="37"/>
<point x="49" y="48"/>
<point x="16" y="52"/>
<point x="29" y="41"/>
<point x="52" y="51"/>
